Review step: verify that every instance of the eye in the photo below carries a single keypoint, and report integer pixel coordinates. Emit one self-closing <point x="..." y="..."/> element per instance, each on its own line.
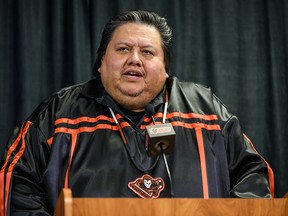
<point x="148" y="52"/>
<point x="123" y="49"/>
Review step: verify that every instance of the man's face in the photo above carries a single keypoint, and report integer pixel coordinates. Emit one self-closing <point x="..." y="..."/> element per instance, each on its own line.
<point x="133" y="69"/>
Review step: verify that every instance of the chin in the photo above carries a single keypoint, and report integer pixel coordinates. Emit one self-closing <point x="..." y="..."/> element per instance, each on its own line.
<point x="131" y="93"/>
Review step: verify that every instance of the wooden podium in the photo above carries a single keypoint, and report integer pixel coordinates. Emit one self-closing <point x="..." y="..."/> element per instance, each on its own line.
<point x="68" y="206"/>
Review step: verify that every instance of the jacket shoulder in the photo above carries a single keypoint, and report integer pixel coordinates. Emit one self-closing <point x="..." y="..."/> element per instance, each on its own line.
<point x="198" y="98"/>
<point x="61" y="104"/>
<point x="55" y="101"/>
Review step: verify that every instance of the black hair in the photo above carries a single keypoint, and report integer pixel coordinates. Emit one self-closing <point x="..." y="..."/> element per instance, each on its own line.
<point x="135" y="16"/>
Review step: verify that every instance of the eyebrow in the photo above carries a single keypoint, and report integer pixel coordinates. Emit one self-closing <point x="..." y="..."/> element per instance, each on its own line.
<point x="131" y="44"/>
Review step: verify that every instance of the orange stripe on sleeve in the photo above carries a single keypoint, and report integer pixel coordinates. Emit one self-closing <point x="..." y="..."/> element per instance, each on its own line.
<point x="4" y="188"/>
<point x="270" y="171"/>
<point x="2" y="172"/>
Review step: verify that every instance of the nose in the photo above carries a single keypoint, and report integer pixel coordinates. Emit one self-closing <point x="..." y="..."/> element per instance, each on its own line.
<point x="134" y="58"/>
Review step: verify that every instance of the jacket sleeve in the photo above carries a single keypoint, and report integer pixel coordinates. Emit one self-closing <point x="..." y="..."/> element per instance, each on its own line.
<point x="21" y="172"/>
<point x="250" y="174"/>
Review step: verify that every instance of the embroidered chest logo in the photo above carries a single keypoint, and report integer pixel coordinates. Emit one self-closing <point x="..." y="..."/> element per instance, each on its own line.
<point x="147" y="187"/>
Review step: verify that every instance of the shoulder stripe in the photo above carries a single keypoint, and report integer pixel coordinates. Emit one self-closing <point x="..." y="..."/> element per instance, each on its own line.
<point x="192" y="115"/>
<point x="197" y="125"/>
<point x="211" y="117"/>
<point x="191" y="125"/>
<point x="157" y="115"/>
<point x="85" y="129"/>
<point x="82" y="119"/>
<point x="124" y="124"/>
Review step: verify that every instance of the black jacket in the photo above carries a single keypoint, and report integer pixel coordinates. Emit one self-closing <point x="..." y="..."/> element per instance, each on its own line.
<point x="72" y="140"/>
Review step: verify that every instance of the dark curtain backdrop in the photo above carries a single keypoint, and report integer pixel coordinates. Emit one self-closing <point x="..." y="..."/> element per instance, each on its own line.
<point x="237" y="47"/>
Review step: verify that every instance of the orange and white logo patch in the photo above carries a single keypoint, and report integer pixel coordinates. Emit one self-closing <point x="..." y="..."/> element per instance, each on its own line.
<point x="147" y="187"/>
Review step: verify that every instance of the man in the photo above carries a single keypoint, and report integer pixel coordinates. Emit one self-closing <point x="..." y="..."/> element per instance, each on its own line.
<point x="91" y="137"/>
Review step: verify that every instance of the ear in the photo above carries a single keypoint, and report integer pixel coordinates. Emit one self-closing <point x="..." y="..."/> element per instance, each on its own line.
<point x="167" y="75"/>
<point x="99" y="69"/>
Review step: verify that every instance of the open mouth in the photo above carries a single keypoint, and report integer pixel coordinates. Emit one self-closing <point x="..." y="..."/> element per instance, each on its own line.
<point x="133" y="73"/>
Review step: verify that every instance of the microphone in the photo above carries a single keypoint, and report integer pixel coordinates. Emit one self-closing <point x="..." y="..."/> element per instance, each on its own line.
<point x="160" y="140"/>
<point x="158" y="136"/>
